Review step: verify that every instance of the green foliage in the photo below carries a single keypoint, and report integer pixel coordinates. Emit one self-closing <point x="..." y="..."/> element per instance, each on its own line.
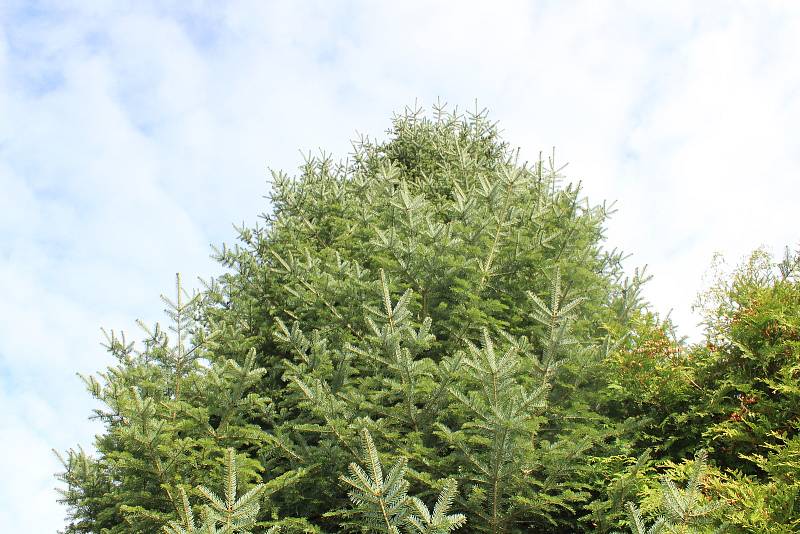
<point x="767" y="504"/>
<point x="436" y="299"/>
<point x="169" y="416"/>
<point x="750" y="365"/>
<point x="230" y="514"/>
<point x="383" y="504"/>
<point x="685" y="510"/>
<point x="502" y="414"/>
<point x="625" y="480"/>
<point x="638" y="525"/>
<point x="439" y="521"/>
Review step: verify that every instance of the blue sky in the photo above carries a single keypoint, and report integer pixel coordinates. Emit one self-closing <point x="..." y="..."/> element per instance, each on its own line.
<point x="134" y="135"/>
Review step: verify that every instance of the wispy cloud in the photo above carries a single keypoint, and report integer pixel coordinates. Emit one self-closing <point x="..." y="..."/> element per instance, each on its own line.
<point x="133" y="136"/>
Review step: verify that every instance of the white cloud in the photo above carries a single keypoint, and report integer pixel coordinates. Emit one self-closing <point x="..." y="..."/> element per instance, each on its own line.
<point x="132" y="137"/>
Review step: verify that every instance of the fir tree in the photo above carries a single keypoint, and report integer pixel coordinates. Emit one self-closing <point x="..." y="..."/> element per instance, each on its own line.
<point x="432" y="290"/>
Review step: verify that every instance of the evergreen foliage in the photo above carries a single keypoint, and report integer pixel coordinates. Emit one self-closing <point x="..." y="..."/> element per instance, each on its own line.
<point x="637" y="523"/>
<point x="232" y="515"/>
<point x="684" y="510"/>
<point x="438" y="300"/>
<point x="383" y="503"/>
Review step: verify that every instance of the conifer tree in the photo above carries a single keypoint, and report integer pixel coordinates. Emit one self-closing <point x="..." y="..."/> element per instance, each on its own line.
<point x="433" y="291"/>
<point x="168" y="417"/>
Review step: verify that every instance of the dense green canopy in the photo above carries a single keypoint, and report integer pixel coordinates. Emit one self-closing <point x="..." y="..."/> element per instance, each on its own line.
<point x="435" y="318"/>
